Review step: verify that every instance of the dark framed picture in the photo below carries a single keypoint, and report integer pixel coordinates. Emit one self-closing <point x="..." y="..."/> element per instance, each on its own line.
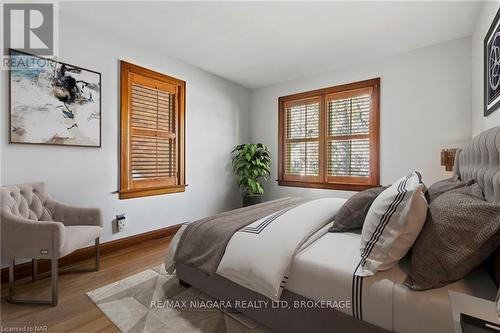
<point x="492" y="67"/>
<point x="53" y="103"/>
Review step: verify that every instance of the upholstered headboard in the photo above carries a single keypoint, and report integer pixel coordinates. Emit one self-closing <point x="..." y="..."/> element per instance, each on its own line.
<point x="480" y="160"/>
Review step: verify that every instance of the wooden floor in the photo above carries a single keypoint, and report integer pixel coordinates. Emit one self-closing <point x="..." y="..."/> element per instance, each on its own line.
<point x="76" y="312"/>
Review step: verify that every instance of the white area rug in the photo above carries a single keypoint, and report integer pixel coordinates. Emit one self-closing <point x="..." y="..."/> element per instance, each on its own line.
<point x="153" y="301"/>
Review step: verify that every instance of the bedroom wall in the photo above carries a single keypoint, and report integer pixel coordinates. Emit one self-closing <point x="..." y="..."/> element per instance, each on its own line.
<point x="479" y="122"/>
<point x="216" y="120"/>
<point x="425" y="106"/>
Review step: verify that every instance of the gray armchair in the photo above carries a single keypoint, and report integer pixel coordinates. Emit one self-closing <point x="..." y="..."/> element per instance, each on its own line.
<point x="33" y="225"/>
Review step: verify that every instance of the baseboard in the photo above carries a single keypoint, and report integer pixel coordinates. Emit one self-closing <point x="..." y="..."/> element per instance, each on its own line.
<point x="24" y="270"/>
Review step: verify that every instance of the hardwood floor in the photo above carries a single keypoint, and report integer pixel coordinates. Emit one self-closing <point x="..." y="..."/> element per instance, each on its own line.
<point x="76" y="312"/>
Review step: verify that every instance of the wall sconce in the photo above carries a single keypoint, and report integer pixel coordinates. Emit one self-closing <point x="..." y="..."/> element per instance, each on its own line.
<point x="448" y="158"/>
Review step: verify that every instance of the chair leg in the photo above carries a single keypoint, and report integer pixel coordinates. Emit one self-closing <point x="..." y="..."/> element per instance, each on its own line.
<point x="54" y="276"/>
<point x="97" y="254"/>
<point x="89" y="269"/>
<point x="34" y="270"/>
<point x="11" y="297"/>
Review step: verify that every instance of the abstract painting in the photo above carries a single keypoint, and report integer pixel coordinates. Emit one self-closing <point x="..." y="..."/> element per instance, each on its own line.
<point x="53" y="103"/>
<point x="492" y="67"/>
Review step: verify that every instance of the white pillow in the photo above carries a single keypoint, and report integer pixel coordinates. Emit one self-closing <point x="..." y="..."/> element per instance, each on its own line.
<point x="392" y="224"/>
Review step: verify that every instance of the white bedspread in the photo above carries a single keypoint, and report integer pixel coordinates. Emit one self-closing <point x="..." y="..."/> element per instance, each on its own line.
<point x="259" y="256"/>
<point x="320" y="266"/>
<point x="324" y="271"/>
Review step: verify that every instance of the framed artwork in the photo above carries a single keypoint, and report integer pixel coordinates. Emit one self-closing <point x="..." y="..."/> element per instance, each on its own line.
<point x="53" y="103"/>
<point x="492" y="67"/>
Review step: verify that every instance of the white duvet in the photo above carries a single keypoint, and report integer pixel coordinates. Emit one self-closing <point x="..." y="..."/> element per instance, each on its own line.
<point x="325" y="271"/>
<point x="259" y="256"/>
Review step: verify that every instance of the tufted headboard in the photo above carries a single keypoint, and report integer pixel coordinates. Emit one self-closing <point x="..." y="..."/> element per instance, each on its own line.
<point x="480" y="160"/>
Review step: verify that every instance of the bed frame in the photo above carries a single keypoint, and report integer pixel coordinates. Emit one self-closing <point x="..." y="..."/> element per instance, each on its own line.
<point x="293" y="320"/>
<point x="479" y="160"/>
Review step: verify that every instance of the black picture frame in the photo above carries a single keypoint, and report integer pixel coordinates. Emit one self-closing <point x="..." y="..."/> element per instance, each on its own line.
<point x="11" y="141"/>
<point x="490" y="105"/>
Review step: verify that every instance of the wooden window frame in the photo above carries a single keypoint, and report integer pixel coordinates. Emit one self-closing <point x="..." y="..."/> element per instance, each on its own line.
<point x="292" y="103"/>
<point x="323" y="181"/>
<point x="126" y="190"/>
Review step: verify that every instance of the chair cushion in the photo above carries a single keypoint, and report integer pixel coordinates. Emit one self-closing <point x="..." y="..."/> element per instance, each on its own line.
<point x="27" y="201"/>
<point x="78" y="236"/>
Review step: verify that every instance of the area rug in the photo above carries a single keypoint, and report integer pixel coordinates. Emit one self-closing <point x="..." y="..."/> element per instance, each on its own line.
<point x="153" y="301"/>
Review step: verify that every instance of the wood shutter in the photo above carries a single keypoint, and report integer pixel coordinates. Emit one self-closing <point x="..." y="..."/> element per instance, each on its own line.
<point x="152" y="133"/>
<point x="302" y="139"/>
<point x="329" y="138"/>
<point x="348" y="136"/>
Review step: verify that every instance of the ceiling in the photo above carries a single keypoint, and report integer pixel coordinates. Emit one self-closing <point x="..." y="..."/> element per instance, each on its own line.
<point x="256" y="44"/>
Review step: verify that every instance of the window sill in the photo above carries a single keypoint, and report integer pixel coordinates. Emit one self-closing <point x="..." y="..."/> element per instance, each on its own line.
<point x="146" y="192"/>
<point x="327" y="186"/>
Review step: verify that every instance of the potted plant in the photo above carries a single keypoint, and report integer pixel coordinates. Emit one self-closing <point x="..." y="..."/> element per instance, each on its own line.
<point x="251" y="162"/>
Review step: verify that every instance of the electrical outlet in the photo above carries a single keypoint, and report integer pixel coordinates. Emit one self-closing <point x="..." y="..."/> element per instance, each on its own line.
<point x="120" y="222"/>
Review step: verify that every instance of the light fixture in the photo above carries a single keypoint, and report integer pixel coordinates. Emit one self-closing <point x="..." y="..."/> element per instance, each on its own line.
<point x="448" y="158"/>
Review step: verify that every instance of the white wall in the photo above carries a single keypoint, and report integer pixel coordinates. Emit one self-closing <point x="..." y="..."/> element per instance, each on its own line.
<point x="216" y="120"/>
<point x="479" y="122"/>
<point x="425" y="106"/>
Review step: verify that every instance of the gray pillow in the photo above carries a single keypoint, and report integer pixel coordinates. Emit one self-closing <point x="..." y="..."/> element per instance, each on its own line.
<point x="444" y="186"/>
<point x="353" y="213"/>
<point x="460" y="232"/>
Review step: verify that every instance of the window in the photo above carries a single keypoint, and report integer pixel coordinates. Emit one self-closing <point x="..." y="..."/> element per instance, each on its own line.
<point x="152" y="133"/>
<point x="329" y="138"/>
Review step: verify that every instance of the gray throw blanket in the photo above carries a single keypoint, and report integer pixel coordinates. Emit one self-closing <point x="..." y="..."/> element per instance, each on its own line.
<point x="203" y="242"/>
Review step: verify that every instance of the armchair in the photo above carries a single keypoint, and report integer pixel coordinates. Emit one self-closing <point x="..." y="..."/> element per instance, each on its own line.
<point x="34" y="225"/>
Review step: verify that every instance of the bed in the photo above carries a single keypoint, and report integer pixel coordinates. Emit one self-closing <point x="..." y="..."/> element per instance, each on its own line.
<point x="321" y="271"/>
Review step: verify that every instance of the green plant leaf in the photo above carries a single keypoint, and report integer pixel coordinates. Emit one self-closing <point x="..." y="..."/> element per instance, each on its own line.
<point x="259" y="188"/>
<point x="251" y="162"/>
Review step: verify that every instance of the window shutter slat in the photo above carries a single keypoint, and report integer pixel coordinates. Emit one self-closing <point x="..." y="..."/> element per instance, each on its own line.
<point x="302" y="158"/>
<point x="349" y="158"/>
<point x="348" y="153"/>
<point x="143" y="157"/>
<point x="303" y="121"/>
<point x="152" y="153"/>
<point x="349" y="116"/>
<point x="152" y="128"/>
<point x="302" y="138"/>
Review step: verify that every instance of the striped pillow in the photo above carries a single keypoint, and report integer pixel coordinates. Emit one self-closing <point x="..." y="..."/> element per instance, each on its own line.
<point x="392" y="224"/>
